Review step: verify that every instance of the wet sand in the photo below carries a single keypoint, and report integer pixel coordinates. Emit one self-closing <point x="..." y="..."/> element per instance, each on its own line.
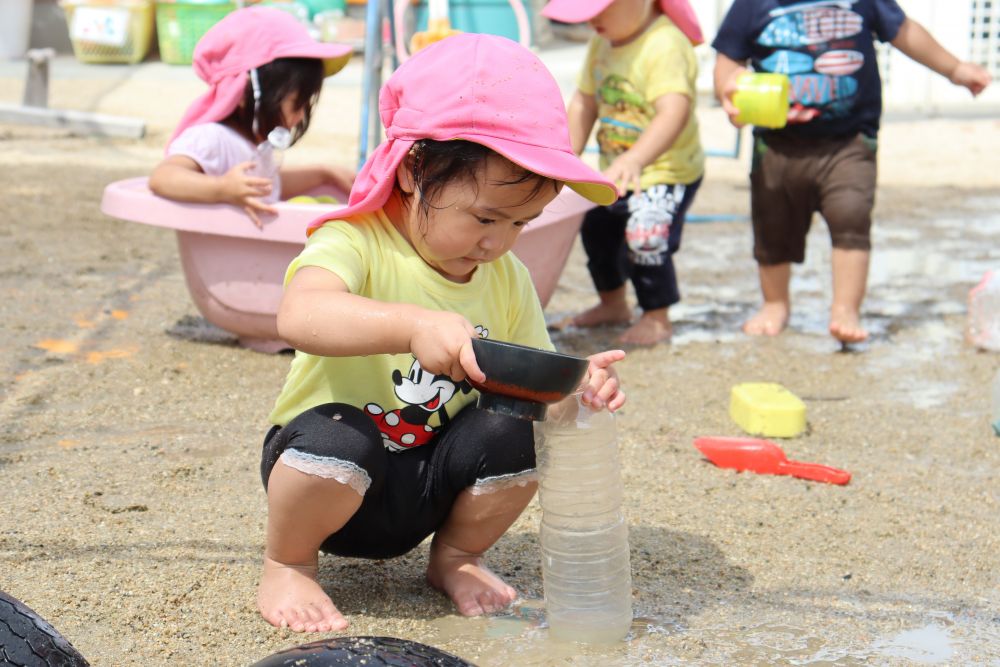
<point x="130" y="434"/>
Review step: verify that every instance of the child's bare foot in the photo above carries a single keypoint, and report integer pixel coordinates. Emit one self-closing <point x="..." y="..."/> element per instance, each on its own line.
<point x="602" y="313"/>
<point x="770" y="320"/>
<point x="290" y="597"/>
<point x="845" y="325"/>
<point x="652" y="328"/>
<point x="473" y="588"/>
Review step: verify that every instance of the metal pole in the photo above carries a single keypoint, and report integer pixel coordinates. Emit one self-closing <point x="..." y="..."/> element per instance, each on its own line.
<point x="371" y="79"/>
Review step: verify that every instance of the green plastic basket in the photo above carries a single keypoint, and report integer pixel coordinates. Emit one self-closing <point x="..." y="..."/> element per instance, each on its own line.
<point x="181" y="23"/>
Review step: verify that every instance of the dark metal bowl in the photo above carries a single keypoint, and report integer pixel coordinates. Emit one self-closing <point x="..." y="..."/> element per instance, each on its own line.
<point x="521" y="381"/>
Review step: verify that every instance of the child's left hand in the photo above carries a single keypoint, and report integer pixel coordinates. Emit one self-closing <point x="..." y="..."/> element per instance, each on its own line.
<point x="601" y="387"/>
<point x="971" y="76"/>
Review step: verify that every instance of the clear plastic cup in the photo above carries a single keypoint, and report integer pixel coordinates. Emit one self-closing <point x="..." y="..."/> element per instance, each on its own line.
<point x="762" y="98"/>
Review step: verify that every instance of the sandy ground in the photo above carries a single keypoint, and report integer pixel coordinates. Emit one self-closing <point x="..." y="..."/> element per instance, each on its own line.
<point x="133" y="514"/>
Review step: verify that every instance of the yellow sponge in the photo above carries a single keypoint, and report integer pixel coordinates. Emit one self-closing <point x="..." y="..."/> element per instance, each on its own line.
<point x="767" y="409"/>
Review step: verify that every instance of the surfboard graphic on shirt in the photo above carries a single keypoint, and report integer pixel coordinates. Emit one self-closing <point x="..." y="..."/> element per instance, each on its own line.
<point x="788" y="62"/>
<point x="840" y="62"/>
<point x="811" y="26"/>
<point x="819" y="90"/>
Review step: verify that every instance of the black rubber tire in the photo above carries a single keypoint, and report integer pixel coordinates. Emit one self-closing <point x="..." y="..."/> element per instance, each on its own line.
<point x="368" y="651"/>
<point x="27" y="639"/>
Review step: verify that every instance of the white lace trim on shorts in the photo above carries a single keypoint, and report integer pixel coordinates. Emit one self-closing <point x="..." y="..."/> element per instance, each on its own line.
<point x="328" y="467"/>
<point x="503" y="482"/>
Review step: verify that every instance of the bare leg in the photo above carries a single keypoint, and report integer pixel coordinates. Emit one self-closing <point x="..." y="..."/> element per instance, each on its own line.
<point x="611" y="309"/>
<point x="653" y="327"/>
<point x="302" y="511"/>
<point x="850" y="280"/>
<point x="456" y="564"/>
<point x="772" y="318"/>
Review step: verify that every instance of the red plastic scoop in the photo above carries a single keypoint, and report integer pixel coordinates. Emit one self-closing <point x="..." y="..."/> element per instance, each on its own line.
<point x="764" y="456"/>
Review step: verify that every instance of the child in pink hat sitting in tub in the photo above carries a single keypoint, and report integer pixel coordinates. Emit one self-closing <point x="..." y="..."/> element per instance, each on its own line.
<point x="376" y="442"/>
<point x="265" y="72"/>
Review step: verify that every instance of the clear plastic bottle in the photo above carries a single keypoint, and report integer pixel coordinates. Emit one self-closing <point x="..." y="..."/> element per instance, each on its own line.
<point x="270" y="154"/>
<point x="586" y="571"/>
<point x="984" y="313"/>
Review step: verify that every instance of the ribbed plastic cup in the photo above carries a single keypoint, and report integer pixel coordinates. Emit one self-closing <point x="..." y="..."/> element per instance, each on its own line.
<point x="762" y="98"/>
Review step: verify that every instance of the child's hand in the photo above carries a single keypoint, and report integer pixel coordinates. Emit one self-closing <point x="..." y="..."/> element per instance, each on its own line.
<point x="625" y="172"/>
<point x="442" y="343"/>
<point x="241" y="189"/>
<point x="798" y="114"/>
<point x="726" y="96"/>
<point x="971" y="76"/>
<point x="601" y="387"/>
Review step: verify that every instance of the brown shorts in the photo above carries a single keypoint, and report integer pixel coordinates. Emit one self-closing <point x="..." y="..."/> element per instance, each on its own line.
<point x="793" y="178"/>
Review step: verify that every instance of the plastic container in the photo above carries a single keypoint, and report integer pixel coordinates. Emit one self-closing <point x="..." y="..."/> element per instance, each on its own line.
<point x="767" y="409"/>
<point x="984" y="313"/>
<point x="270" y="154"/>
<point x="762" y="98"/>
<point x="15" y="28"/>
<point x="109" y="31"/>
<point x="181" y="23"/>
<point x="586" y="571"/>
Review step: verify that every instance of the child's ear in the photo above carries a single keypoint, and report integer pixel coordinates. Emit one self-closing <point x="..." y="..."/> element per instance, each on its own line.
<point x="404" y="175"/>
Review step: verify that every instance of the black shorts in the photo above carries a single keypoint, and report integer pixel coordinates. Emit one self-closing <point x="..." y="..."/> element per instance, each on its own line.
<point x="411" y="492"/>
<point x="635" y="239"/>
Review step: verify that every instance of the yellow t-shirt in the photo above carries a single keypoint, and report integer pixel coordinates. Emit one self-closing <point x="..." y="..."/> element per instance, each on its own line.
<point x="375" y="261"/>
<point x="626" y="80"/>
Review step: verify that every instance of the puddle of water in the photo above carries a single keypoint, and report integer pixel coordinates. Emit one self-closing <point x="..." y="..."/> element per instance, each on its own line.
<point x="911" y="282"/>
<point x="520" y="637"/>
<point x="929" y="645"/>
<point x="844" y="638"/>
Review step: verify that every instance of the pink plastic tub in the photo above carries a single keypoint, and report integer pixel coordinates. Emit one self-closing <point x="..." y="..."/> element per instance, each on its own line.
<point x="234" y="271"/>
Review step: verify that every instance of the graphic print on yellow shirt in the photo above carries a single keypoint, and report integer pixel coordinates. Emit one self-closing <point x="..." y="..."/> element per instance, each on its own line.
<point x="632" y="112"/>
<point x="425" y="395"/>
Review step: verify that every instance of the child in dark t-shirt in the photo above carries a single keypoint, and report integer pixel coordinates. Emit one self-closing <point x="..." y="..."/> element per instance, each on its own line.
<point x="824" y="159"/>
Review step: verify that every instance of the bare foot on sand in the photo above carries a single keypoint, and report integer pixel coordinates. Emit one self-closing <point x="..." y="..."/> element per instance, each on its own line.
<point x="845" y="325"/>
<point x="770" y="320"/>
<point x="652" y="328"/>
<point x="290" y="597"/>
<point x="473" y="588"/>
<point x="602" y="313"/>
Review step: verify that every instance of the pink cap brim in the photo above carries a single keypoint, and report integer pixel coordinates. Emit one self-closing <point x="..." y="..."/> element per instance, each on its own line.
<point x="555" y="164"/>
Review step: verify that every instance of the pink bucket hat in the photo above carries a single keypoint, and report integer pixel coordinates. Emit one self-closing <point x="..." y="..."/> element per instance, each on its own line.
<point x="581" y="11"/>
<point x="481" y="88"/>
<point x="243" y="40"/>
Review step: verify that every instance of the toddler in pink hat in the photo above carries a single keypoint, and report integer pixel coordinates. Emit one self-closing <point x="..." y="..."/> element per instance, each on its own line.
<point x="264" y="73"/>
<point x="376" y="441"/>
<point x="638" y="86"/>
